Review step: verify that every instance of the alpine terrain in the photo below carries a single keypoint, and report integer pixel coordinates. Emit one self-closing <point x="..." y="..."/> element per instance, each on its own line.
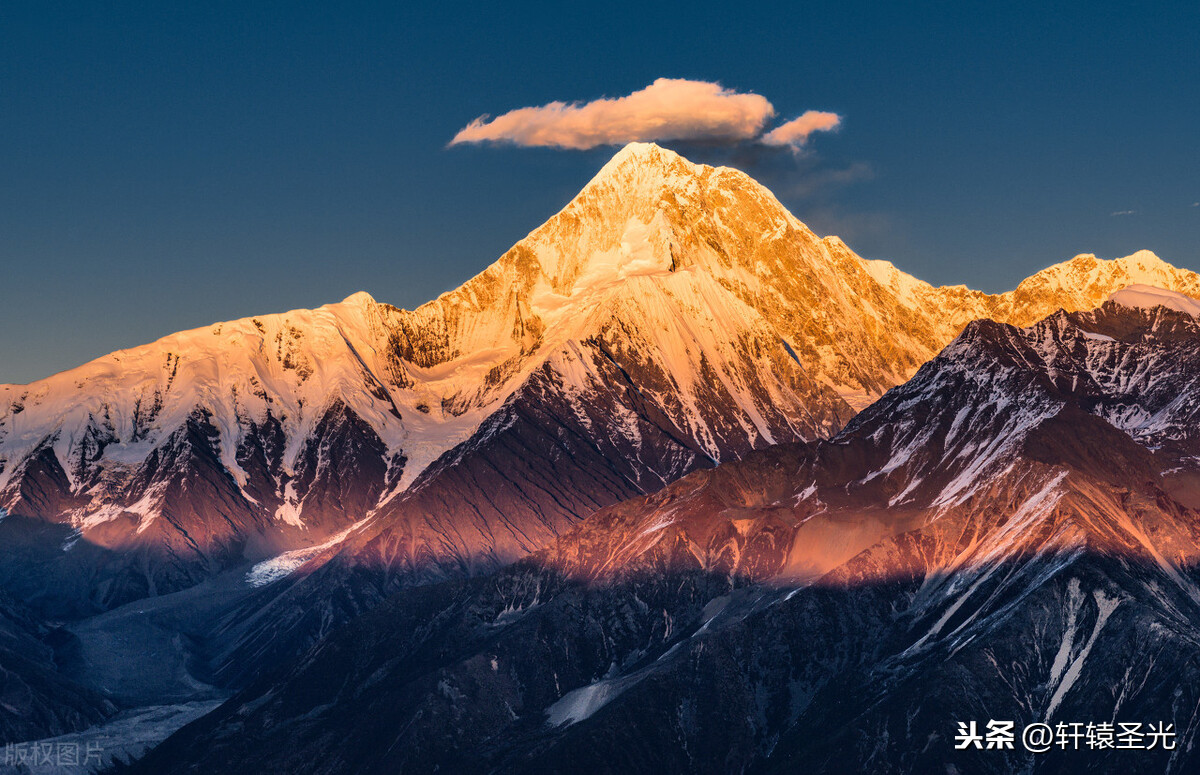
<point x="1012" y="534"/>
<point x="673" y="485"/>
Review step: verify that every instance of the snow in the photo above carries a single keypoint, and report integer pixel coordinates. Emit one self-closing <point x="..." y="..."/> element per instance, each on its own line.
<point x="857" y="399"/>
<point x="146" y="508"/>
<point x="1105" y="607"/>
<point x="662" y="521"/>
<point x="1086" y="272"/>
<point x="584" y="702"/>
<point x="1149" y="297"/>
<point x="1169" y="568"/>
<point x="292" y="365"/>
<point x="289" y="511"/>
<point x="1074" y="604"/>
<point x="806" y="493"/>
<point x="146" y="393"/>
<point x="285" y="564"/>
<point x="635" y="255"/>
<point x="982" y="463"/>
<point x="279" y="567"/>
<point x="712" y="609"/>
<point x="908" y="288"/>
<point x="981" y="559"/>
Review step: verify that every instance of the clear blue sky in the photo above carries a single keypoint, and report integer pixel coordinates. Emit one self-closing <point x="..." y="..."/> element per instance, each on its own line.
<point x="167" y="165"/>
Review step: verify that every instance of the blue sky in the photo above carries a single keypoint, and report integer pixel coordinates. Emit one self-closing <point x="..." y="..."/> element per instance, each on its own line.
<point x="164" y="166"/>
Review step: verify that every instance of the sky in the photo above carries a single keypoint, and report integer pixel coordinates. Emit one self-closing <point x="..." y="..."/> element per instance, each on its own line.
<point x="164" y="166"/>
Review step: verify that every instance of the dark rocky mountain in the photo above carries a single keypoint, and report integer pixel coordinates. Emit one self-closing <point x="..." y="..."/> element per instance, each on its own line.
<point x="1010" y="535"/>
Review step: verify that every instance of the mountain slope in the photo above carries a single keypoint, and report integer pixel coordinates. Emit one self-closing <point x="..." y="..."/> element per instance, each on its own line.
<point x="722" y="314"/>
<point x="537" y="459"/>
<point x="1011" y="534"/>
<point x="36" y="698"/>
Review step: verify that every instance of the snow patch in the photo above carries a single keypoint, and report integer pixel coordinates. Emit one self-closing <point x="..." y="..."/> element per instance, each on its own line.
<point x="1105" y="606"/>
<point x="584" y="702"/>
<point x="285" y="564"/>
<point x="1149" y="297"/>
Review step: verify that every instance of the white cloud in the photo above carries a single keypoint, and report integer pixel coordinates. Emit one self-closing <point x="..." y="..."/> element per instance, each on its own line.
<point x="795" y="133"/>
<point x="668" y="109"/>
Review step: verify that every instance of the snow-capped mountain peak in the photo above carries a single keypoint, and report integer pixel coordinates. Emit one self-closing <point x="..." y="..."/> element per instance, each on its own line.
<point x="640" y="156"/>
<point x="359" y="299"/>
<point x="1088" y="280"/>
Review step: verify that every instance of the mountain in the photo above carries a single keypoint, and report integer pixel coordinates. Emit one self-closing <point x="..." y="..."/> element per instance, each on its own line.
<point x="270" y="479"/>
<point x="601" y="421"/>
<point x="1012" y="534"/>
<point x="670" y="317"/>
<point x="1083" y="283"/>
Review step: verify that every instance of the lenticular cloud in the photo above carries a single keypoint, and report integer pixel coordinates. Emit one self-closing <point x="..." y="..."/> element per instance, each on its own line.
<point x="668" y="109"/>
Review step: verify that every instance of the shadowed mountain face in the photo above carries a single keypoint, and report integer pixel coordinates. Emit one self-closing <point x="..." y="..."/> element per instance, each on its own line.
<point x="1010" y="535"/>
<point x="37" y="699"/>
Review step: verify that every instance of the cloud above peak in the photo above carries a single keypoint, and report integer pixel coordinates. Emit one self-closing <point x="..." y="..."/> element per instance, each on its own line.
<point x="795" y="133"/>
<point x="668" y="109"/>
